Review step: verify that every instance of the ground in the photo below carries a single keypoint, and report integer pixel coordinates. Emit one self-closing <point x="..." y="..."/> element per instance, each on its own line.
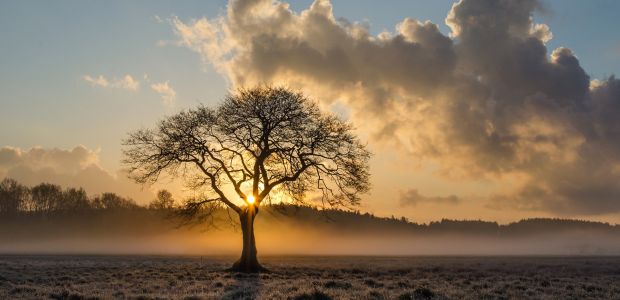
<point x="311" y="277"/>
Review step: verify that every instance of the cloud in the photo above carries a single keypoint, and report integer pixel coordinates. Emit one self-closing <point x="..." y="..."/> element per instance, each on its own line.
<point x="129" y="83"/>
<point x="167" y="93"/>
<point x="97" y="81"/>
<point x="412" y="198"/>
<point x="77" y="167"/>
<point x="489" y="100"/>
<point x="39" y="158"/>
<point x="126" y="82"/>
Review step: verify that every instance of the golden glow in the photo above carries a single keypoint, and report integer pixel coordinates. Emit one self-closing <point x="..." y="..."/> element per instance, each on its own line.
<point x="250" y="199"/>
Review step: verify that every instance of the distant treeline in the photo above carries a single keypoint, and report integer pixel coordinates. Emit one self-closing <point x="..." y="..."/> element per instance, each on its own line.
<point x="46" y="198"/>
<point x="357" y="221"/>
<point x="52" y="200"/>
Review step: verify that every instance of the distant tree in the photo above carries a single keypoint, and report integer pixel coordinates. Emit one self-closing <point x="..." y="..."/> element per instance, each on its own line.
<point x="112" y="201"/>
<point x="13" y="196"/>
<point x="74" y="200"/>
<point x="268" y="138"/>
<point x="45" y="197"/>
<point x="163" y="201"/>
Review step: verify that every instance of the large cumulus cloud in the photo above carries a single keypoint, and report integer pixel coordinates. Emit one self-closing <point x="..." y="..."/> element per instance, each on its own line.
<point x="77" y="167"/>
<point x="488" y="100"/>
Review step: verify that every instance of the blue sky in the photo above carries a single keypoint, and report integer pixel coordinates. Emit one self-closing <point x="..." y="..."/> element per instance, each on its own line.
<point x="48" y="47"/>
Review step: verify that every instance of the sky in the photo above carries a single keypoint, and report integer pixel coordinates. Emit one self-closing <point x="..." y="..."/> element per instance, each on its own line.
<point x="495" y="110"/>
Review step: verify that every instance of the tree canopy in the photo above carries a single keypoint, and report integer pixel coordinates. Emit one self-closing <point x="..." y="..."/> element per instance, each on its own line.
<point x="266" y="138"/>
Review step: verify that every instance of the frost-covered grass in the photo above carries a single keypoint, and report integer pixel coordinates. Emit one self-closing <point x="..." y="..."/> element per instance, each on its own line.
<point x="310" y="277"/>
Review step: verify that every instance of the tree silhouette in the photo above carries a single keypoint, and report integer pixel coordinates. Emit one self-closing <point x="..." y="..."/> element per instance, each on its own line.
<point x="45" y="197"/>
<point x="164" y="201"/>
<point x="13" y="195"/>
<point x="112" y="201"/>
<point x="258" y="141"/>
<point x="74" y="200"/>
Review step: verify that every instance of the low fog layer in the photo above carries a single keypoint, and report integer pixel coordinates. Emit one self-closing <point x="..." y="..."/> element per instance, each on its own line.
<point x="298" y="231"/>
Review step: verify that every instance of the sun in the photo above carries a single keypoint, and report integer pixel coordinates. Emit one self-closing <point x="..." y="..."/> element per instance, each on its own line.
<point x="250" y="199"/>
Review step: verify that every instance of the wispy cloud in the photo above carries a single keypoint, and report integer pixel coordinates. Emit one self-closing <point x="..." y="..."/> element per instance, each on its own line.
<point x="97" y="81"/>
<point x="167" y="93"/>
<point x="126" y="82"/>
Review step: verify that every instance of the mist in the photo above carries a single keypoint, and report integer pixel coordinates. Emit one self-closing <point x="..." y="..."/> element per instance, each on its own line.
<point x="299" y="231"/>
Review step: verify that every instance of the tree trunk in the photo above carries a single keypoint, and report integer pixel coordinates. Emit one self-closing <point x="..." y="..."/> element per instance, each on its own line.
<point x="248" y="263"/>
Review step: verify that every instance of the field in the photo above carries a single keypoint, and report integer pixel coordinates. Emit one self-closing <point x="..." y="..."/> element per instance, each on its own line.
<point x="310" y="277"/>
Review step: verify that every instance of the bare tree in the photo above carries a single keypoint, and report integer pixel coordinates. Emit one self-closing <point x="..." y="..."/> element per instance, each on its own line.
<point x="258" y="141"/>
<point x="13" y="196"/>
<point x="73" y="200"/>
<point x="45" y="197"/>
<point x="112" y="201"/>
<point x="164" y="201"/>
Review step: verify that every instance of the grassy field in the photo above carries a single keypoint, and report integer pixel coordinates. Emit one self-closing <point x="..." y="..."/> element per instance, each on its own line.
<point x="310" y="277"/>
